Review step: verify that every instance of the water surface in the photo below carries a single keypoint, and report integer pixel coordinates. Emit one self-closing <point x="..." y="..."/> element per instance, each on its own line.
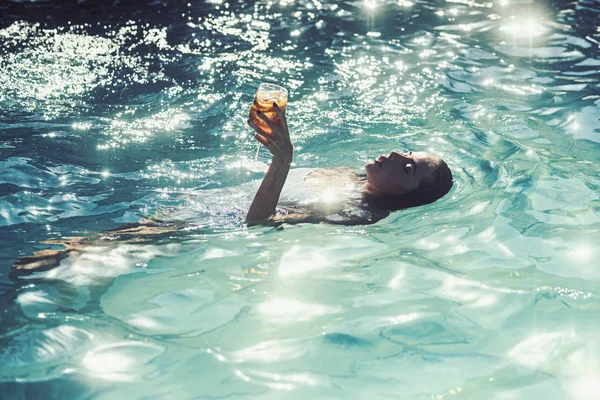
<point x="109" y="114"/>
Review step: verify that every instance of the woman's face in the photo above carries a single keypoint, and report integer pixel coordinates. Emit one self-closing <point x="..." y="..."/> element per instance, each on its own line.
<point x="399" y="173"/>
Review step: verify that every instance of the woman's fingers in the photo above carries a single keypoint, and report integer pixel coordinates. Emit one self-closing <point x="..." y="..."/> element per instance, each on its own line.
<point x="281" y="116"/>
<point x="261" y="135"/>
<point x="284" y="131"/>
<point x="261" y="139"/>
<point x="273" y="134"/>
<point x="267" y="120"/>
<point x="257" y="128"/>
<point x="268" y="143"/>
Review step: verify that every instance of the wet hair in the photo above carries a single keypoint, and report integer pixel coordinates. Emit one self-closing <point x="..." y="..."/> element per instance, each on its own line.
<point x="435" y="187"/>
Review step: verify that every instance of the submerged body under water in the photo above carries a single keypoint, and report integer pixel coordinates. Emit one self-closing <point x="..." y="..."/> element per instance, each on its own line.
<point x="111" y="115"/>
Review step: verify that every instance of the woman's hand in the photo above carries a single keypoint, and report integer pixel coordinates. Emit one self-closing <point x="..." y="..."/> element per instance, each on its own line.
<point x="278" y="140"/>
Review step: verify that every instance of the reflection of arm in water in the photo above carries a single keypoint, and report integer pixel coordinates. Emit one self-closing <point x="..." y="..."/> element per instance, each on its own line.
<point x="279" y="144"/>
<point x="145" y="231"/>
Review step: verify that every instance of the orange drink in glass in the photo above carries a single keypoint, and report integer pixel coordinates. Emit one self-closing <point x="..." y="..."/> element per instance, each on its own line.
<point x="265" y="96"/>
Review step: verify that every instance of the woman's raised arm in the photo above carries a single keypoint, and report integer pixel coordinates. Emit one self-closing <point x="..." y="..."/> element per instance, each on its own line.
<point x="278" y="142"/>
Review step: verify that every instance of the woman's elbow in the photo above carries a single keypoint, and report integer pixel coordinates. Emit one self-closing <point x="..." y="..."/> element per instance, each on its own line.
<point x="255" y="219"/>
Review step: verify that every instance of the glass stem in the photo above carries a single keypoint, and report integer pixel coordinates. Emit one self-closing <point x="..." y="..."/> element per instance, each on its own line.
<point x="257" y="150"/>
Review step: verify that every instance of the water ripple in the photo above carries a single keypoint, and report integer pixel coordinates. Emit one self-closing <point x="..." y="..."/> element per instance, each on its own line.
<point x="109" y="115"/>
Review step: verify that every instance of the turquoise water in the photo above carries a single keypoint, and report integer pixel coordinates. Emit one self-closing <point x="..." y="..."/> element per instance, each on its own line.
<point x="111" y="114"/>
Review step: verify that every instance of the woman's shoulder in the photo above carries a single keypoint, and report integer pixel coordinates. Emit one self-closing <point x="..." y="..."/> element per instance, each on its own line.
<point x="336" y="172"/>
<point x="325" y="195"/>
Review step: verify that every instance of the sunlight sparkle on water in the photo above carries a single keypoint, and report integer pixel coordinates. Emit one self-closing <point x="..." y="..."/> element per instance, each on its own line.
<point x="110" y="364"/>
<point x="81" y="126"/>
<point x="573" y="124"/>
<point x="121" y="361"/>
<point x="125" y="128"/>
<point x="404" y="318"/>
<point x="242" y="375"/>
<point x="57" y="68"/>
<point x="285" y="310"/>
<point x="523" y="28"/>
<point x="145" y="121"/>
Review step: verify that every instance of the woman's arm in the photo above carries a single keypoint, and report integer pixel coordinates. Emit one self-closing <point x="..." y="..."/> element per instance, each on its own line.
<point x="279" y="144"/>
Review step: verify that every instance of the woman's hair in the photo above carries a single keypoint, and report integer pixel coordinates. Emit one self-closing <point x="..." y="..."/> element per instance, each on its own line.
<point x="435" y="187"/>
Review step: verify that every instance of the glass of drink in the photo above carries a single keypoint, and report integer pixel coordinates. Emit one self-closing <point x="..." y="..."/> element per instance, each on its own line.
<point x="266" y="95"/>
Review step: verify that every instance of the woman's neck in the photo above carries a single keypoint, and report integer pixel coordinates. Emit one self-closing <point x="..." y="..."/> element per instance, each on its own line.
<point x="343" y="181"/>
<point x="365" y="186"/>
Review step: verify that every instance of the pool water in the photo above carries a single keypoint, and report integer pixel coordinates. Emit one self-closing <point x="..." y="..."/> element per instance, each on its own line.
<point x="109" y="114"/>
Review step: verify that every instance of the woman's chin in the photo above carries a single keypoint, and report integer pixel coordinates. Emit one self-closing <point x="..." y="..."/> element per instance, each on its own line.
<point x="371" y="166"/>
<point x="370" y="172"/>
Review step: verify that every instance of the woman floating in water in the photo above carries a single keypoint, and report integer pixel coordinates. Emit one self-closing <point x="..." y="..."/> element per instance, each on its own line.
<point x="340" y="195"/>
<point x="337" y="196"/>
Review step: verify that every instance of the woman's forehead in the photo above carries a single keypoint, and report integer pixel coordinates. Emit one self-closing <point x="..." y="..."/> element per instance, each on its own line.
<point x="424" y="157"/>
<point x="421" y="154"/>
<point x="421" y="157"/>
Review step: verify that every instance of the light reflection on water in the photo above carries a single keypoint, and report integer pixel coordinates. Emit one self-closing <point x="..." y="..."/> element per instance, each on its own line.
<point x="492" y="290"/>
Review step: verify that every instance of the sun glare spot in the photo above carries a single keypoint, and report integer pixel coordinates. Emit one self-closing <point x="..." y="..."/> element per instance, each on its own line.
<point x="329" y="197"/>
<point x="523" y="28"/>
<point x="582" y="253"/>
<point x="371" y="4"/>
